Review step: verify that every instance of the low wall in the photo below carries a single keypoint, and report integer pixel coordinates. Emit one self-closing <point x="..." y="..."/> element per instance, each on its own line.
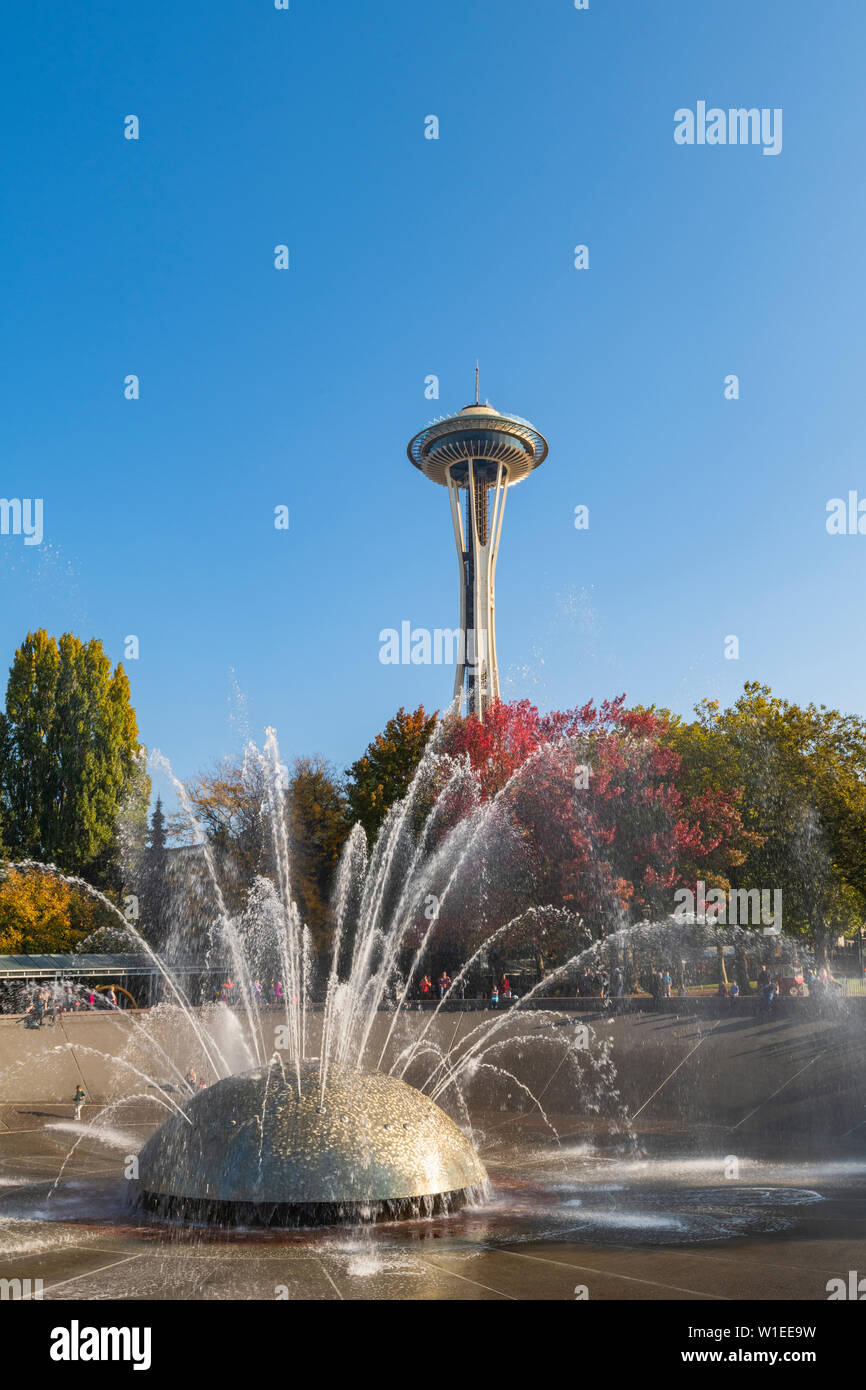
<point x="699" y="1065"/>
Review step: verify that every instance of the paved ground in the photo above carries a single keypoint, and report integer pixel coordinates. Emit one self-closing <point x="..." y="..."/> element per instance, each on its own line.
<point x="741" y="1171"/>
<point x="665" y="1226"/>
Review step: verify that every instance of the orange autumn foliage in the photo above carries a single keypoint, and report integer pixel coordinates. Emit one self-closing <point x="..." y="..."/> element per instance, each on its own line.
<point x="42" y="915"/>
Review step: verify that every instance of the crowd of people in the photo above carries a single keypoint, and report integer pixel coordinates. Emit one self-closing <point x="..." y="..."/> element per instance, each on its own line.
<point x="40" y="1005"/>
<point x="265" y="996"/>
<point x="593" y="981"/>
<point x="455" y="989"/>
<point x="599" y="982"/>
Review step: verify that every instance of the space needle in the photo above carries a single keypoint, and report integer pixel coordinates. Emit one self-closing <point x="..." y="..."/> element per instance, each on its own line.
<point x="478" y="454"/>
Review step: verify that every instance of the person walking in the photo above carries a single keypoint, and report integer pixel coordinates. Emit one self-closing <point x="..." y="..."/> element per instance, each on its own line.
<point x="78" y="1099"/>
<point x="494" y="997"/>
<point x="766" y="1000"/>
<point x="444" y="983"/>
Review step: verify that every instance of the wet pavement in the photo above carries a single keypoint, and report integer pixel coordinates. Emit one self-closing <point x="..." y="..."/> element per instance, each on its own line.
<point x="667" y="1218"/>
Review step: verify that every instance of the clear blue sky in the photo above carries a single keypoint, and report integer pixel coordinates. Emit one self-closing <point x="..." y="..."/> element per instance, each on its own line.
<point x="410" y="257"/>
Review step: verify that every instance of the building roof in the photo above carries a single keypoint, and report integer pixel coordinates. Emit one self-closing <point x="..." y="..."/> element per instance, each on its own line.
<point x="32" y="967"/>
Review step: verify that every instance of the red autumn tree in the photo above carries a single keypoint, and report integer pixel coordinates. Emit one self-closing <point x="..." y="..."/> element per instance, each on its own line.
<point x="596" y="822"/>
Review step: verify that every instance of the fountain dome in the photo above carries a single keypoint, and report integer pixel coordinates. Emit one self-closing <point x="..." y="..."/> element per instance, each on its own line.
<point x="252" y="1150"/>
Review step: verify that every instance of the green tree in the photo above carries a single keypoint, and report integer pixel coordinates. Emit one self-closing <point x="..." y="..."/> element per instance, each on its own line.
<point x="803" y="774"/>
<point x="383" y="773"/>
<point x="69" y="753"/>
<point x="154" y="882"/>
<point x="318" y="815"/>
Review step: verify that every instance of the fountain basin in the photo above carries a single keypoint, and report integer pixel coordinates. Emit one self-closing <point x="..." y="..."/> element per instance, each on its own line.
<point x="252" y="1150"/>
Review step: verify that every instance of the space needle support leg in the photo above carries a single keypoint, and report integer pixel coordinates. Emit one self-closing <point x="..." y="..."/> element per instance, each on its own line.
<point x="499" y="496"/>
<point x="457" y="520"/>
<point x="477" y="665"/>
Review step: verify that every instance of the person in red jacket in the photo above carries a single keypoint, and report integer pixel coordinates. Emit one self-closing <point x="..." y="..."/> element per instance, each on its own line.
<point x="425" y="987"/>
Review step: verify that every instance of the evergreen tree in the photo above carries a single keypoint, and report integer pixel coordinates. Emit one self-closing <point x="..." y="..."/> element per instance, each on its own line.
<point x="155" y="921"/>
<point x="69" y="751"/>
<point x="318" y="825"/>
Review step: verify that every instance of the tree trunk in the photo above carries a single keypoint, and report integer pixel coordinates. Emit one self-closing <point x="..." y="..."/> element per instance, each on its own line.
<point x="723" y="975"/>
<point x="628" y="972"/>
<point x="741" y="969"/>
<point x="821" y="938"/>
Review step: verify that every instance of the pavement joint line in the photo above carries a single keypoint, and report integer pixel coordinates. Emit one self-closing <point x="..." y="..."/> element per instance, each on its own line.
<point x="477" y="1283"/>
<point x="592" y="1269"/>
<point x="90" y="1275"/>
<point x="62" y="1250"/>
<point x="679" y="1064"/>
<point x="324" y="1270"/>
<point x="757" y="1264"/>
<point x="777" y="1091"/>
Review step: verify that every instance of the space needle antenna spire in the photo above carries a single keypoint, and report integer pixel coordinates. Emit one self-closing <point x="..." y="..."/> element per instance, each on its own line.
<point x="477" y="397"/>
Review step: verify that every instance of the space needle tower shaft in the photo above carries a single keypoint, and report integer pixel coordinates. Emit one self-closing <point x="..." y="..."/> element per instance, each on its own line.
<point x="478" y="454"/>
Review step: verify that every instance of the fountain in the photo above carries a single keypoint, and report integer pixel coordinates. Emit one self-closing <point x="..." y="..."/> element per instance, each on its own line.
<point x="311" y="1140"/>
<point x="253" y="1150"/>
<point x="342" y="1104"/>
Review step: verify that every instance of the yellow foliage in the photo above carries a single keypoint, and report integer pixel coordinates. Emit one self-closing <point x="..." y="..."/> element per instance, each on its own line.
<point x="42" y="915"/>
